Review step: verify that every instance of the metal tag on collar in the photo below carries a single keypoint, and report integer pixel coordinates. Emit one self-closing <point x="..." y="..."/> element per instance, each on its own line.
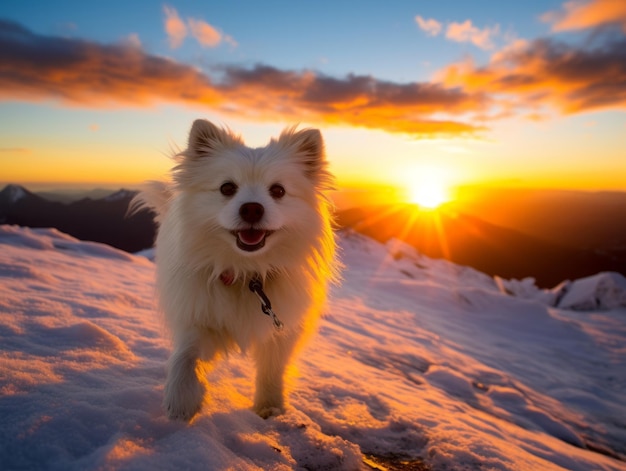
<point x="266" y="306"/>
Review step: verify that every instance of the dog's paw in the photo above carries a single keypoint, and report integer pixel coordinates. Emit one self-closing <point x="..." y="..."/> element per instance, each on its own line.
<point x="183" y="401"/>
<point x="181" y="412"/>
<point x="265" y="412"/>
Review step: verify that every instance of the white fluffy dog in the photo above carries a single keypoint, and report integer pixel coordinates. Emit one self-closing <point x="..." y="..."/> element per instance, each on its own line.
<point x="231" y="215"/>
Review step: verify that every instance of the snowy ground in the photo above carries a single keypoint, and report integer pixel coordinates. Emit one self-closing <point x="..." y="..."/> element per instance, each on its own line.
<point x="418" y="364"/>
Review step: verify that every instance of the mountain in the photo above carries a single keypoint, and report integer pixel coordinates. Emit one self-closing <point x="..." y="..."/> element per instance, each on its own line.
<point x="99" y="220"/>
<point x="418" y="364"/>
<point x="461" y="238"/>
<point x="11" y="194"/>
<point x="470" y="241"/>
<point x="589" y="220"/>
<point x="72" y="195"/>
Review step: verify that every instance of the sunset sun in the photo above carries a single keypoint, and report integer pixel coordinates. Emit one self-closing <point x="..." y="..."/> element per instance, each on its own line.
<point x="429" y="195"/>
<point x="429" y="189"/>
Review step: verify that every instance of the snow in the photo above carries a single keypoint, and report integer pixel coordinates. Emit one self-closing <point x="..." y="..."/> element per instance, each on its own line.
<point x="418" y="364"/>
<point x="120" y="195"/>
<point x="602" y="291"/>
<point x="14" y="193"/>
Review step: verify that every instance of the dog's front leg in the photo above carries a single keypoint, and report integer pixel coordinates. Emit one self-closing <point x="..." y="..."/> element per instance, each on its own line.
<point x="272" y="358"/>
<point x="185" y="386"/>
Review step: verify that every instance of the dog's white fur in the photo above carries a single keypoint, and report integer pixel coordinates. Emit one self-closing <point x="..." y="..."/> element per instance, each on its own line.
<point x="196" y="250"/>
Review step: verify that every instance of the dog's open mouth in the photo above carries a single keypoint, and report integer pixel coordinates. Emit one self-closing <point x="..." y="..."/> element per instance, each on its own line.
<point x="251" y="239"/>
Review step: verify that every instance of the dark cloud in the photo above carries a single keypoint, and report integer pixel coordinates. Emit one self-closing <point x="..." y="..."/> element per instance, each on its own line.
<point x="34" y="67"/>
<point x="83" y="73"/>
<point x="548" y="72"/>
<point x="534" y="74"/>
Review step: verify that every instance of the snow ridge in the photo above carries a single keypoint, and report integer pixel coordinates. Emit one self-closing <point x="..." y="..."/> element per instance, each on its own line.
<point x="120" y="195"/>
<point x="13" y="193"/>
<point x="418" y="363"/>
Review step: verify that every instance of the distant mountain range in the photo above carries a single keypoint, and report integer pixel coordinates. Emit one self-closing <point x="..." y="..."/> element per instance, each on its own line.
<point x="460" y="238"/>
<point x="470" y="241"/>
<point x="100" y="220"/>
<point x="73" y="195"/>
<point x="584" y="219"/>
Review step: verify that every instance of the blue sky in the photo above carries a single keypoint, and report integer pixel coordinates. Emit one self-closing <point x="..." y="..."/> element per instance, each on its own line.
<point x="397" y="87"/>
<point x="337" y="38"/>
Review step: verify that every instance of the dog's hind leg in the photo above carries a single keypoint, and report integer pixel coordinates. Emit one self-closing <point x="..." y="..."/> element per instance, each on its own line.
<point x="272" y="358"/>
<point x="186" y="386"/>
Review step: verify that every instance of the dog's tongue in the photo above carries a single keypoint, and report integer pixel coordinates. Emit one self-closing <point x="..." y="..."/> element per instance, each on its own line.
<point x="251" y="236"/>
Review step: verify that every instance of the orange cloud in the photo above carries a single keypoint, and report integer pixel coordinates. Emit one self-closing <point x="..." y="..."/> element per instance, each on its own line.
<point x="522" y="79"/>
<point x="174" y="27"/>
<point x="460" y="32"/>
<point x="84" y="73"/>
<point x="546" y="72"/>
<point x="79" y="72"/>
<point x="467" y="32"/>
<point x="431" y="26"/>
<point x="206" y="34"/>
<point x="578" y="15"/>
<point x="356" y="100"/>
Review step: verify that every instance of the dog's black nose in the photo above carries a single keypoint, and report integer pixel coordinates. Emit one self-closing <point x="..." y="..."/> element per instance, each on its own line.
<point x="251" y="212"/>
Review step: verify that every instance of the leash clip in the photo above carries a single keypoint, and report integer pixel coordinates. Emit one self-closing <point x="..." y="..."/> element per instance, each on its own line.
<point x="266" y="306"/>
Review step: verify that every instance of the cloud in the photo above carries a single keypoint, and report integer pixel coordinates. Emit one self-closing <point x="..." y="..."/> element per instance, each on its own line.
<point x="431" y="26"/>
<point x="460" y="32"/>
<point x="357" y="100"/>
<point x="467" y="32"/>
<point x="78" y="72"/>
<point x="174" y="27"/>
<point x="577" y="15"/>
<point x="206" y="34"/>
<point x="546" y="72"/>
<point x="83" y="73"/>
<point x="524" y="78"/>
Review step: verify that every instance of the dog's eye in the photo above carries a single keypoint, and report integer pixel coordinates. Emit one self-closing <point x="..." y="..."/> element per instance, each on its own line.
<point x="228" y="189"/>
<point x="277" y="191"/>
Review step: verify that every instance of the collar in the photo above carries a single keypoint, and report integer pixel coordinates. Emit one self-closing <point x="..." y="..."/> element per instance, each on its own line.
<point x="256" y="286"/>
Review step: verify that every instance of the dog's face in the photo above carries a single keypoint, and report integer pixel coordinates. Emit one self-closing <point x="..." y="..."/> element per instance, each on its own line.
<point x="247" y="202"/>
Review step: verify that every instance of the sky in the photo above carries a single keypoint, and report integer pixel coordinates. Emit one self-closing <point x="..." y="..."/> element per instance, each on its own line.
<point x="514" y="94"/>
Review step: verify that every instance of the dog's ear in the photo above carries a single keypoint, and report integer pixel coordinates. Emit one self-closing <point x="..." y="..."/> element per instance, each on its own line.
<point x="309" y="147"/>
<point x="205" y="138"/>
